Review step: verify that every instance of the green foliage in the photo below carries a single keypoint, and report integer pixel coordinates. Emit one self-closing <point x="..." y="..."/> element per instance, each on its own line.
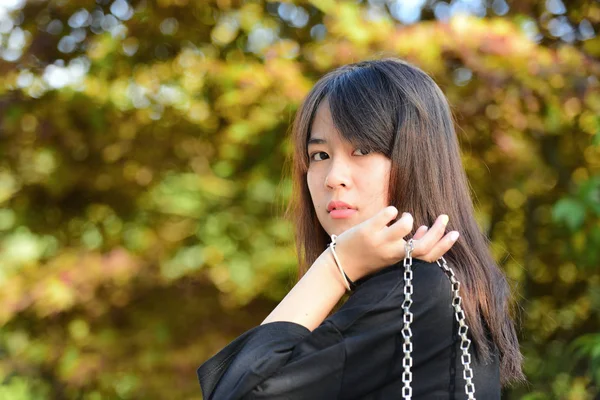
<point x="16" y="389"/>
<point x="143" y="177"/>
<point x="588" y="346"/>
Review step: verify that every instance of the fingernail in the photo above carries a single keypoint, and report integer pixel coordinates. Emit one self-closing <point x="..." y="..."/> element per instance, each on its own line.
<point x="453" y="236"/>
<point x="444" y="218"/>
<point x="424" y="227"/>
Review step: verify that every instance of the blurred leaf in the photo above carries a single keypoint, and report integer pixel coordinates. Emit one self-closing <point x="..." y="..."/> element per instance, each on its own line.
<point x="569" y="211"/>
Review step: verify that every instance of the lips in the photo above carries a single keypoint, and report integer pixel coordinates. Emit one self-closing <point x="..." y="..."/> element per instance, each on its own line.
<point x="340" y="210"/>
<point x="339" y="205"/>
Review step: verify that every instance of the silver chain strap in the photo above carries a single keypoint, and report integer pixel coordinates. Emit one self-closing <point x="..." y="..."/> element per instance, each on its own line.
<point x="407" y="319"/>
<point x="459" y="313"/>
<point x="465" y="342"/>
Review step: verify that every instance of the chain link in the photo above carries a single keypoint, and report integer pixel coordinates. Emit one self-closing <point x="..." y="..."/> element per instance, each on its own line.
<point x="465" y="342"/>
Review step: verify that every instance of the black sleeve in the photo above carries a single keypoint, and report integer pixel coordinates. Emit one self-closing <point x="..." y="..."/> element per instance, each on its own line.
<point x="354" y="353"/>
<point x="276" y="360"/>
<point x="286" y="360"/>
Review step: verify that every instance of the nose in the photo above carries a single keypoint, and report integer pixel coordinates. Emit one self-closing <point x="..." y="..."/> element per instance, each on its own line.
<point x="338" y="176"/>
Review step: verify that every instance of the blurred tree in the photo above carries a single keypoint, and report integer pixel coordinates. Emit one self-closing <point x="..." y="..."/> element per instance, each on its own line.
<point x="141" y="182"/>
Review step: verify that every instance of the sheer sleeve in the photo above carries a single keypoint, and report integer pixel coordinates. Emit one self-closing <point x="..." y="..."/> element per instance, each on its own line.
<point x="284" y="360"/>
<point x="354" y="354"/>
<point x="276" y="360"/>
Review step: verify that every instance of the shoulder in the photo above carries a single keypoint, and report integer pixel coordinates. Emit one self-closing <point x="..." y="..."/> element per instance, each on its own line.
<point x="427" y="276"/>
<point x="383" y="293"/>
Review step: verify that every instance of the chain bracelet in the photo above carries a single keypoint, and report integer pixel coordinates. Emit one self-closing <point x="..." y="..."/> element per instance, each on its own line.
<point x="408" y="318"/>
<point x="459" y="313"/>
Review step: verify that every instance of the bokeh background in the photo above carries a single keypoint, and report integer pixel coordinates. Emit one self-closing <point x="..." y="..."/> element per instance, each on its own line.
<point x="143" y="176"/>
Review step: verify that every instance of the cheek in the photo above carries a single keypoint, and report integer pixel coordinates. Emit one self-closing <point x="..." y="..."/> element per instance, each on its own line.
<point x="312" y="182"/>
<point x="376" y="191"/>
<point x="377" y="183"/>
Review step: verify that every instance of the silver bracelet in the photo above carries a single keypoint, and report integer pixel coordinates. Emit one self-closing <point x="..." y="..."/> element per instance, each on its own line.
<point x="347" y="282"/>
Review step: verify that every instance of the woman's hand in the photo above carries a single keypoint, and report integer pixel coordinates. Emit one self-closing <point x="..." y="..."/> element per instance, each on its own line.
<point x="372" y="245"/>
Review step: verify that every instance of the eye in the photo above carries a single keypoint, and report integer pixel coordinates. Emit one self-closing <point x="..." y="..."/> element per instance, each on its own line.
<point x="361" y="152"/>
<point x="319" y="156"/>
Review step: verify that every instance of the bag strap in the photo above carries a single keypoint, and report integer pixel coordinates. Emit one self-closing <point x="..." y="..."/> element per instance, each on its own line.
<point x="465" y="342"/>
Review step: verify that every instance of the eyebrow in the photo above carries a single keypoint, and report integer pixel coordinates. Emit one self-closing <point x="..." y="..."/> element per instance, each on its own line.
<point x="316" y="141"/>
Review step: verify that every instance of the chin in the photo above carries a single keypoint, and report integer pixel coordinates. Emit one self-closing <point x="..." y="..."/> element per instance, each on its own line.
<point x="337" y="230"/>
<point x="337" y="226"/>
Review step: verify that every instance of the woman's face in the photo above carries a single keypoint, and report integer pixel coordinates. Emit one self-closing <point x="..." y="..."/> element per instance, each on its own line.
<point x="347" y="185"/>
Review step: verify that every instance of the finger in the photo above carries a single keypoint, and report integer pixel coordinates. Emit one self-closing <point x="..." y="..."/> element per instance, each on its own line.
<point x="381" y="219"/>
<point x="441" y="247"/>
<point x="420" y="232"/>
<point x="399" y="229"/>
<point x="433" y="235"/>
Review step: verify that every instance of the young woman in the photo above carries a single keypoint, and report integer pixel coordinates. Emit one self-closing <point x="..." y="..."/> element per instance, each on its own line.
<point x="373" y="138"/>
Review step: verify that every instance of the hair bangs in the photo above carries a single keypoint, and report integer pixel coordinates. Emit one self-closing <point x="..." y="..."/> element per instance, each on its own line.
<point x="364" y="109"/>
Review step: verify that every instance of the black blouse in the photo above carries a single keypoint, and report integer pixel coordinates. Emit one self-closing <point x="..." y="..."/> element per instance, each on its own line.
<point x="356" y="353"/>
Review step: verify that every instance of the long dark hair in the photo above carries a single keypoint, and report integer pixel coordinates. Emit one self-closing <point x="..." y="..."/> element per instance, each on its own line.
<point x="394" y="108"/>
